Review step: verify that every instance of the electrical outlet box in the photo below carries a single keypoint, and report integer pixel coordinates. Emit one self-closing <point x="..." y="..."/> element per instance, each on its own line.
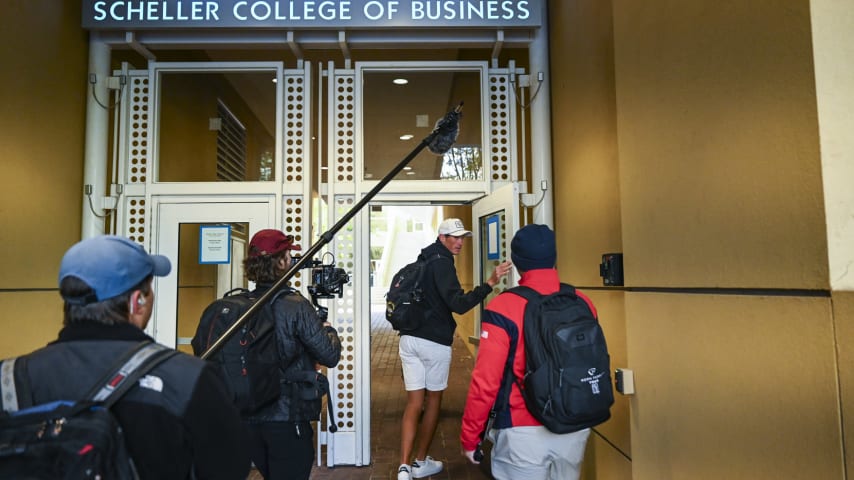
<point x="114" y="83"/>
<point x="624" y="380"/>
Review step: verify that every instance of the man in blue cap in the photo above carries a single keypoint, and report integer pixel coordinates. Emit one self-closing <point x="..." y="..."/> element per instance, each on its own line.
<point x="178" y="421"/>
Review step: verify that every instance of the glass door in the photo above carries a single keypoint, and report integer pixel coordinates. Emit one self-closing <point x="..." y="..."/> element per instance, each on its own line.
<point x="495" y="219"/>
<point x="206" y="243"/>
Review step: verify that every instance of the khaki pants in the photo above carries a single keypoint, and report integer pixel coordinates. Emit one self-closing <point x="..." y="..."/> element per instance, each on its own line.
<point x="534" y="453"/>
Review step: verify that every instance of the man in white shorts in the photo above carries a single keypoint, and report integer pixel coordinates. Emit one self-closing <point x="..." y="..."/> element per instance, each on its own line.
<point x="425" y="351"/>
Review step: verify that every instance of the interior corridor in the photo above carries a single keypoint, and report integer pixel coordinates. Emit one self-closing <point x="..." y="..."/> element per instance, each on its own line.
<point x="388" y="399"/>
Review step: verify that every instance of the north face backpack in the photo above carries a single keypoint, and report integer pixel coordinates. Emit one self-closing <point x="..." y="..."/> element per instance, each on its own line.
<point x="567" y="384"/>
<point x="405" y="300"/>
<point x="73" y="438"/>
<point x="250" y="357"/>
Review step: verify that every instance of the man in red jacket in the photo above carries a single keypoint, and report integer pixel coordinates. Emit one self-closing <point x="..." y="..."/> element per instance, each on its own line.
<point x="522" y="447"/>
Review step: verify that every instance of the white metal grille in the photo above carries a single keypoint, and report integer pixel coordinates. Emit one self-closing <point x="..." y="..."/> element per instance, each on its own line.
<point x="134" y="149"/>
<point x="343" y="129"/>
<point x="135" y="219"/>
<point x="294" y="217"/>
<point x="502" y="139"/>
<point x="296" y="104"/>
<point x="343" y="377"/>
<point x="138" y="138"/>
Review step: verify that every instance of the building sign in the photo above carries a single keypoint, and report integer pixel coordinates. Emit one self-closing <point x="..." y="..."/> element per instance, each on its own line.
<point x="295" y="14"/>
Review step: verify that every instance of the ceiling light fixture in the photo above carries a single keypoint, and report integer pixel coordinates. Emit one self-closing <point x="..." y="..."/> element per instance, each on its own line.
<point x="408" y="136"/>
<point x="400" y="81"/>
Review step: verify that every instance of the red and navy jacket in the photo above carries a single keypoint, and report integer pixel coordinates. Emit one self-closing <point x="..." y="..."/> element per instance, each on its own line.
<point x="502" y="333"/>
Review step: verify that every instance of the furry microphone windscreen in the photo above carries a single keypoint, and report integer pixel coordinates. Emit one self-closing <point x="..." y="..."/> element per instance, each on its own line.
<point x="445" y="132"/>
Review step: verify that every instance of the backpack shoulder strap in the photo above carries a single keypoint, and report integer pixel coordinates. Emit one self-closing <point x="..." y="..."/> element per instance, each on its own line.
<point x="567" y="288"/>
<point x="508" y="378"/>
<point x="525" y="292"/>
<point x="14" y="395"/>
<point x="236" y="291"/>
<point x="129" y="368"/>
<point x="529" y="293"/>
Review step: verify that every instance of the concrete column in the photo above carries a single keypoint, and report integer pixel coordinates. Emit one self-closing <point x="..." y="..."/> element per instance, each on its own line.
<point x="541" y="121"/>
<point x="833" y="47"/>
<point x="97" y="136"/>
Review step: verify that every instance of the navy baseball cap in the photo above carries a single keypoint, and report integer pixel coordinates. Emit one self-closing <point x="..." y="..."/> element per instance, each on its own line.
<point x="533" y="247"/>
<point x="110" y="265"/>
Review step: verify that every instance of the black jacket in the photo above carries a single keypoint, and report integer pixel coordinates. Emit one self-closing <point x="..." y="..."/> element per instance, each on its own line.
<point x="184" y="420"/>
<point x="444" y="295"/>
<point x="303" y="341"/>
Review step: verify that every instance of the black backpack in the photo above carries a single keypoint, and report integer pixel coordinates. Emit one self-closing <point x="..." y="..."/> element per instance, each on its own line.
<point x="70" y="439"/>
<point x="405" y="305"/>
<point x="567" y="384"/>
<point x="249" y="359"/>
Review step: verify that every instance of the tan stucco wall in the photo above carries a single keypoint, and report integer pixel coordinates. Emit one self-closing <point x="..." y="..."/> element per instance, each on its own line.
<point x="843" y="315"/>
<point x="686" y="136"/>
<point x="736" y="387"/>
<point x="719" y="168"/>
<point x="42" y="115"/>
<point x="587" y="195"/>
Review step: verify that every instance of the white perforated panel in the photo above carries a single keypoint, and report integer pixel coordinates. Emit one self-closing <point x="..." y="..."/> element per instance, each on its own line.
<point x="294" y="216"/>
<point x="134" y="148"/>
<point x="138" y="140"/>
<point x="343" y="376"/>
<point x="295" y="160"/>
<point x="135" y="219"/>
<point x="501" y="138"/>
<point x="343" y="129"/>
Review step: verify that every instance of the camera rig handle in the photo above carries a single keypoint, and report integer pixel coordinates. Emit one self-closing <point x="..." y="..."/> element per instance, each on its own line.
<point x="439" y="141"/>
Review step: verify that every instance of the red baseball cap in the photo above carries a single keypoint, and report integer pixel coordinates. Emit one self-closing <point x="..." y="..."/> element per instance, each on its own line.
<point x="271" y="242"/>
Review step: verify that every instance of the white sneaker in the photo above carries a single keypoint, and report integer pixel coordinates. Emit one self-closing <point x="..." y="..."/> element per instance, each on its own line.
<point x="426" y="467"/>
<point x="403" y="472"/>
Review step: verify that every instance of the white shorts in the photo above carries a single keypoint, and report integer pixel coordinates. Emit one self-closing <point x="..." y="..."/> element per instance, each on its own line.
<point x="425" y="364"/>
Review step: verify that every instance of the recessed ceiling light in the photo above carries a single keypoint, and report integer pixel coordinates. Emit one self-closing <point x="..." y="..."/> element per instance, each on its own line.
<point x="408" y="136"/>
<point x="400" y="81"/>
<point x="410" y="173"/>
<point x="275" y="80"/>
<point x="407" y="168"/>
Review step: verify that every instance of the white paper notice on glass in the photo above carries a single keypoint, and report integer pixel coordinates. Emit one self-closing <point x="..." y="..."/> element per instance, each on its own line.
<point x="492" y="236"/>
<point x="215" y="244"/>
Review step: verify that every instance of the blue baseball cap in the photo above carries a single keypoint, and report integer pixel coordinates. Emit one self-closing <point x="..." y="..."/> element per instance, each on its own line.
<point x="110" y="265"/>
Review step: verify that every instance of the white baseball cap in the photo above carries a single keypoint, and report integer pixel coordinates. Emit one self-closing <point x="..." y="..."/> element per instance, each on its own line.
<point x="453" y="227"/>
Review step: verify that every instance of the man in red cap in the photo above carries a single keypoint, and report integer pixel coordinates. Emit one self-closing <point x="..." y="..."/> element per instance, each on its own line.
<point x="281" y="433"/>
